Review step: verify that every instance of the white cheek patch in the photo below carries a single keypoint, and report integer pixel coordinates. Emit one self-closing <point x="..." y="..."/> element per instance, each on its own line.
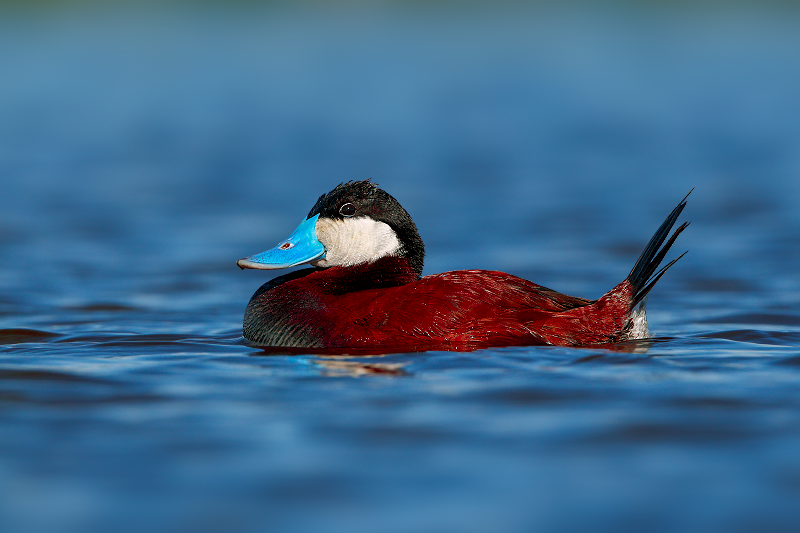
<point x="352" y="241"/>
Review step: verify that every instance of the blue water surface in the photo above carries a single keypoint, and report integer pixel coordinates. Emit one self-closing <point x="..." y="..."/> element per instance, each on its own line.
<point x="144" y="150"/>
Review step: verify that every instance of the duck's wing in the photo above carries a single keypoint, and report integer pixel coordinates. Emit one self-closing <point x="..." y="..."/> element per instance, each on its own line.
<point x="507" y="291"/>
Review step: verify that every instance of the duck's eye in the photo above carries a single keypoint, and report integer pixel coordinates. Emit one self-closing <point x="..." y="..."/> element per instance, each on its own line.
<point x="347" y="210"/>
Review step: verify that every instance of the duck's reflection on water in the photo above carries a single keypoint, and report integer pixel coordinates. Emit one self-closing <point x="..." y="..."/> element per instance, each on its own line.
<point x="346" y="366"/>
<point x="362" y="361"/>
<point x="344" y="362"/>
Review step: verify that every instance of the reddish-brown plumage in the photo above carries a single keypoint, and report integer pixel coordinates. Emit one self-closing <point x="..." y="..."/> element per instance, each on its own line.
<point x="383" y="305"/>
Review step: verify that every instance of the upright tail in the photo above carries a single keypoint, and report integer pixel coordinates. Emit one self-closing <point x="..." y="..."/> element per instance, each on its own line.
<point x="644" y="276"/>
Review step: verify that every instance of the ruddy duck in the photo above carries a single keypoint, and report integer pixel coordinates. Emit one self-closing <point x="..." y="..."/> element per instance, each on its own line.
<point x="367" y="291"/>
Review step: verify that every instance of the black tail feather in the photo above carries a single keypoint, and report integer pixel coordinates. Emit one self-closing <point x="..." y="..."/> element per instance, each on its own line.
<point x="642" y="277"/>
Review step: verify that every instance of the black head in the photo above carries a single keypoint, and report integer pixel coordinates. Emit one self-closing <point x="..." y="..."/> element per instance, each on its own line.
<point x="356" y="199"/>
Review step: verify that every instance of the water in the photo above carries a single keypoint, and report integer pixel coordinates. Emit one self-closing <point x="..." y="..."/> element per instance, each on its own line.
<point x="144" y="151"/>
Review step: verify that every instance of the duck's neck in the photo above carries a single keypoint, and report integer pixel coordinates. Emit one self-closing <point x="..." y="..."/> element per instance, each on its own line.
<point x="385" y="272"/>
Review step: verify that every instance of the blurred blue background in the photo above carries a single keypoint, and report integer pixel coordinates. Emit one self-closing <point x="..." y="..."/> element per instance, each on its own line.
<point x="144" y="148"/>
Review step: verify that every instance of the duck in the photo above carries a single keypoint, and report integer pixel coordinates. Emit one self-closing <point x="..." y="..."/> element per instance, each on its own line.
<point x="365" y="290"/>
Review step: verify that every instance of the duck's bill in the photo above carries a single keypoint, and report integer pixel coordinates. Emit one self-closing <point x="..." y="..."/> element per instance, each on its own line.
<point x="301" y="247"/>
